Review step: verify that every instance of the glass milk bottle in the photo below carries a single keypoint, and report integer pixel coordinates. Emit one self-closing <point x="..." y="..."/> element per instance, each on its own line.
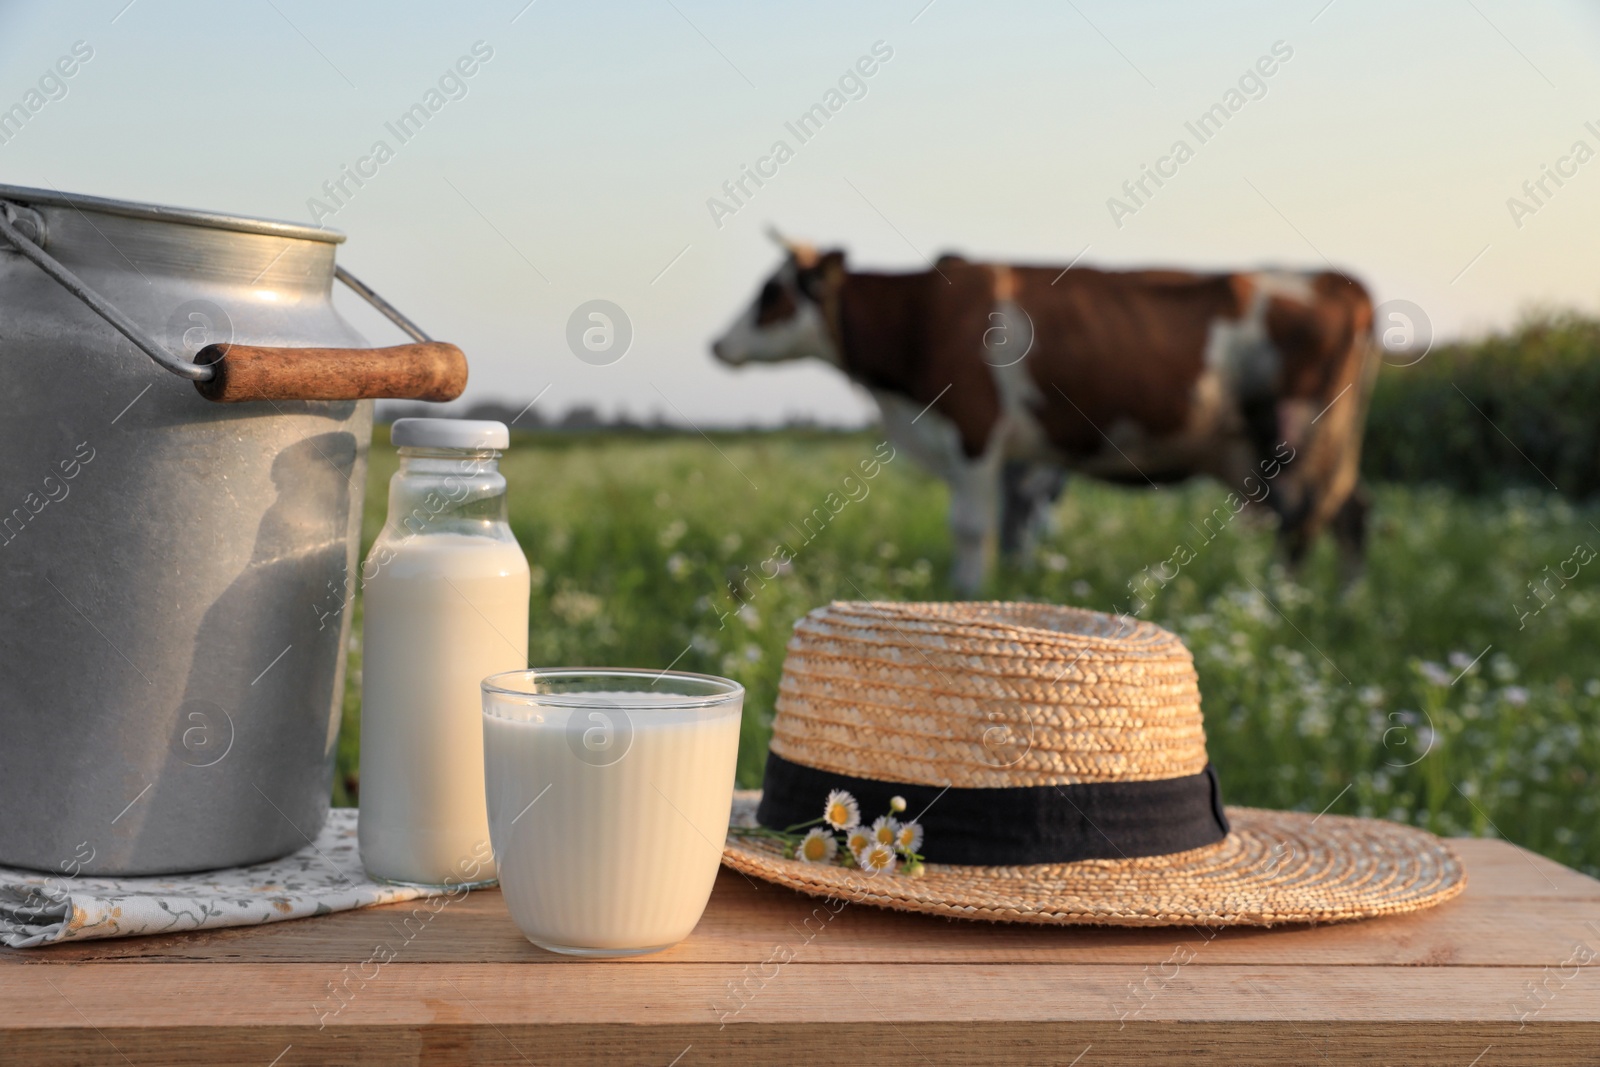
<point x="446" y="605"/>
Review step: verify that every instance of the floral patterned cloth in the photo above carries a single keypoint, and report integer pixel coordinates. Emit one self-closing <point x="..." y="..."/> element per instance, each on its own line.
<point x="324" y="877"/>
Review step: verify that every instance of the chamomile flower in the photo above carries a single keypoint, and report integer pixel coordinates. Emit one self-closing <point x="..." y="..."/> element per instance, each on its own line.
<point x="1435" y="674"/>
<point x="877" y="859"/>
<point x="858" y="840"/>
<point x="908" y="838"/>
<point x="818" y="846"/>
<point x="886" y="830"/>
<point x="841" y="811"/>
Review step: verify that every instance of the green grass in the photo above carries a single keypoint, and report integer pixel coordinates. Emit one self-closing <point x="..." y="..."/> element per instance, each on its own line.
<point x="1315" y="694"/>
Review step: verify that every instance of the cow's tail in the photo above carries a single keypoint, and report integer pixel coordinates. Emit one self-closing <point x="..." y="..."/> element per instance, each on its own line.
<point x="1330" y="469"/>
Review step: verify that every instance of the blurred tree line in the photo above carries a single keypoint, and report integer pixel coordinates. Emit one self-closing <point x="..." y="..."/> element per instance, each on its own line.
<point x="1520" y="408"/>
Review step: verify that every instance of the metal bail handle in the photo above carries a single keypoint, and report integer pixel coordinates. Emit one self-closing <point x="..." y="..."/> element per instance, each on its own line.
<point x="428" y="370"/>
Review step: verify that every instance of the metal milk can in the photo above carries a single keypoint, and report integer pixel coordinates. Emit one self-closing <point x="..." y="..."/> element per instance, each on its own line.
<point x="175" y="573"/>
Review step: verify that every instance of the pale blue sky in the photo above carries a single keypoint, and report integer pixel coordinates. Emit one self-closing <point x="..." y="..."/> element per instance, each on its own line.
<point x="586" y="148"/>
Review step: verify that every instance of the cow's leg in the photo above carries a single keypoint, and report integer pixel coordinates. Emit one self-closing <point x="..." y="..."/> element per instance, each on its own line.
<point x="1296" y="536"/>
<point x="1325" y="490"/>
<point x="1050" y="482"/>
<point x="1027" y="512"/>
<point x="1019" y="510"/>
<point x="975" y="502"/>
<point x="1301" y="507"/>
<point x="1350" y="531"/>
<point x="1346" y="520"/>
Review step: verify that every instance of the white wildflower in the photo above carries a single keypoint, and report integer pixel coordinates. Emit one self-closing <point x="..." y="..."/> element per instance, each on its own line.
<point x="1433" y="673"/>
<point x="818" y="846"/>
<point x="672" y="533"/>
<point x="841" y="811"/>
<point x="878" y="858"/>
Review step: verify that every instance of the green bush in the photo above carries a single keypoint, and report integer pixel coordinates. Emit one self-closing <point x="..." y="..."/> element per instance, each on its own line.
<point x="1514" y="409"/>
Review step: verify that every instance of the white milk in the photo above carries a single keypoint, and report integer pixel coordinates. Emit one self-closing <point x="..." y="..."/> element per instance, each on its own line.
<point x="444" y="613"/>
<point x="613" y="858"/>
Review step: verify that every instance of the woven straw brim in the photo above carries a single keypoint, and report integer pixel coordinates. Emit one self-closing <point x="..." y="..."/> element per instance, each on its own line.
<point x="1274" y="867"/>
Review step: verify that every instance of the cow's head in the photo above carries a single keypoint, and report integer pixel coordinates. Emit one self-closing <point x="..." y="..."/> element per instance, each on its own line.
<point x="788" y="319"/>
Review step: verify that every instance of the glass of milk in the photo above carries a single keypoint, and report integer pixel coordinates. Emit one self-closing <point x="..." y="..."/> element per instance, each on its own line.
<point x="609" y="794"/>
<point x="446" y="603"/>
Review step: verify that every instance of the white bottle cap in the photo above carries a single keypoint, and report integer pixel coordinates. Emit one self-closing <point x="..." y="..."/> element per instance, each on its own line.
<point x="449" y="433"/>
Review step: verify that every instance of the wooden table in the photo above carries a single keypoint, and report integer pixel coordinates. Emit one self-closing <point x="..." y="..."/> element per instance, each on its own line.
<point x="1507" y="973"/>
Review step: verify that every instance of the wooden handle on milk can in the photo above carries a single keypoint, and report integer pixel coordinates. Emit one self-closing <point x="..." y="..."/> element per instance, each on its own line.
<point x="428" y="371"/>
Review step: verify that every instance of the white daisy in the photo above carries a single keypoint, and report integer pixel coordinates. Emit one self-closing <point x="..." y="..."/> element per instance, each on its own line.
<point x="886" y="830"/>
<point x="909" y="837"/>
<point x="818" y="846"/>
<point x="841" y="811"/>
<point x="1434" y="673"/>
<point x="878" y="858"/>
<point x="858" y="840"/>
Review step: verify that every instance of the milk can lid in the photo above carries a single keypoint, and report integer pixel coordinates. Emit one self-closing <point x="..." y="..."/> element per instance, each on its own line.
<point x="449" y="433"/>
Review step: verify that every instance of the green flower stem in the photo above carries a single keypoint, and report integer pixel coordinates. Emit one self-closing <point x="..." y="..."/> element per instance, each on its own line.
<point x="762" y="831"/>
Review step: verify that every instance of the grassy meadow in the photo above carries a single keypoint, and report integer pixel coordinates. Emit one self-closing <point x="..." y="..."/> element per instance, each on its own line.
<point x="1430" y="691"/>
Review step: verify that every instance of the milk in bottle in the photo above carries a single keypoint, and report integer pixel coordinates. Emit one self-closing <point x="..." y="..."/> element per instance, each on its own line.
<point x="446" y="605"/>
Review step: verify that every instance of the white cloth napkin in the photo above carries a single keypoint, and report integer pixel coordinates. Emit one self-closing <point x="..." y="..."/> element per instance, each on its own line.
<point x="325" y="876"/>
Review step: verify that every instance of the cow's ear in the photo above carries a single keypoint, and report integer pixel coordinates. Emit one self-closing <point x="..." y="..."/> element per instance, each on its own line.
<point x="825" y="276"/>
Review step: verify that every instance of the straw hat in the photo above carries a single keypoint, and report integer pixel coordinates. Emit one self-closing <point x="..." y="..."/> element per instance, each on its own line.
<point x="1054" y="760"/>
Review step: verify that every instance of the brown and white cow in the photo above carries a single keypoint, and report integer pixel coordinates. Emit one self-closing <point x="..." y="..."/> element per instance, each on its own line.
<point x="996" y="377"/>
